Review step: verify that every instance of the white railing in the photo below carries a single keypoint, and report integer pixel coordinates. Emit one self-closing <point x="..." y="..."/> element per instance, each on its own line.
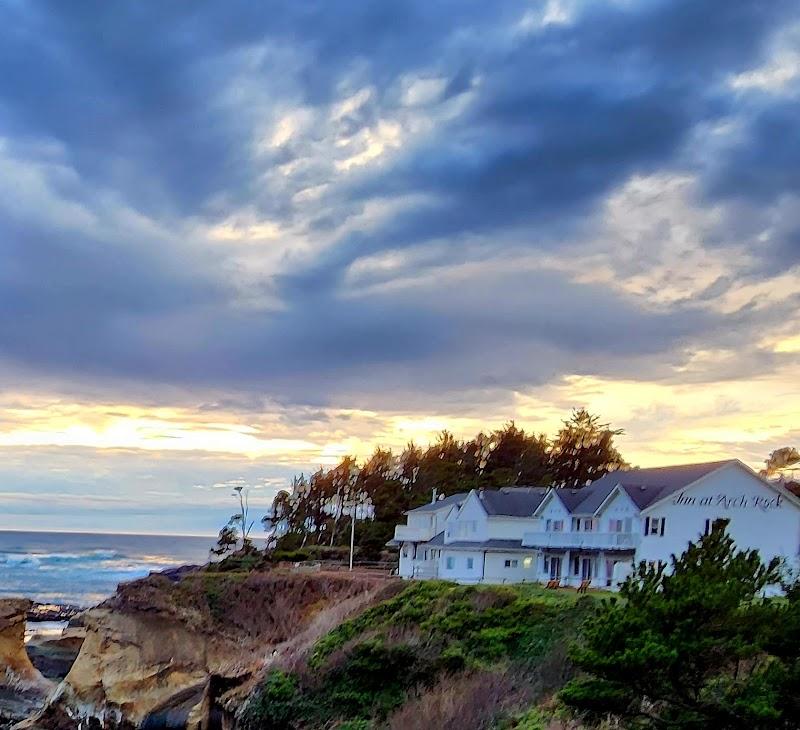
<point x="578" y="540"/>
<point x="404" y="533"/>
<point x="424" y="569"/>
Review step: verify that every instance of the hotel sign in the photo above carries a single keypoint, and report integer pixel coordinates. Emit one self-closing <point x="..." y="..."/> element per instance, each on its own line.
<point x="728" y="502"/>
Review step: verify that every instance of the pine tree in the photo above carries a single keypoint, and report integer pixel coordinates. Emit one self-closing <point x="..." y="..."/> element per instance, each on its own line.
<point x="693" y="647"/>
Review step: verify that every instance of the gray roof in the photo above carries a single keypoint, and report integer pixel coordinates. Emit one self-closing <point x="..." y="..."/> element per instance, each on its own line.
<point x="512" y="501"/>
<point x="644" y="486"/>
<point x="453" y="499"/>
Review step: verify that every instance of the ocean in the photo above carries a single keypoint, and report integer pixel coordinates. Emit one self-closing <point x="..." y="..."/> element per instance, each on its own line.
<point x="83" y="569"/>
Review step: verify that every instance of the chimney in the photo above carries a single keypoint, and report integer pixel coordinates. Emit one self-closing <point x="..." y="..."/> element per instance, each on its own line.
<point x="433" y="496"/>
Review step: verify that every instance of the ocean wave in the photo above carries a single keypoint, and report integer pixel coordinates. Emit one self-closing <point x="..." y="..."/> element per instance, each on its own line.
<point x="40" y="559"/>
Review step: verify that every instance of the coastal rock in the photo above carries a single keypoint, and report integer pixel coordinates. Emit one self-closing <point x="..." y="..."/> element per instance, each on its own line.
<point x="22" y="687"/>
<point x="54" y="656"/>
<point x="161" y="654"/>
<point x="16" y="669"/>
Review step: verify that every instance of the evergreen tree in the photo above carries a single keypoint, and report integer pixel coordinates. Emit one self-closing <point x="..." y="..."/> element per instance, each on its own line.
<point x="584" y="451"/>
<point x="694" y="647"/>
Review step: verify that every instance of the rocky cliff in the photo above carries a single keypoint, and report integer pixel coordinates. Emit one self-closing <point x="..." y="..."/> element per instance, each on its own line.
<point x="172" y="654"/>
<point x="22" y="687"/>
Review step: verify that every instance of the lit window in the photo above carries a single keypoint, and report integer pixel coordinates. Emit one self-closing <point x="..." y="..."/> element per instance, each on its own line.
<point x="527" y="562"/>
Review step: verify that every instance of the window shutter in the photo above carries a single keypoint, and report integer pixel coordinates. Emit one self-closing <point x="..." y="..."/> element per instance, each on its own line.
<point x="646" y="526"/>
<point x="663" y="520"/>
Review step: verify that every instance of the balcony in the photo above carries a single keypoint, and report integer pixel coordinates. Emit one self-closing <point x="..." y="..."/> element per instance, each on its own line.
<point x="581" y="540"/>
<point x="404" y="533"/>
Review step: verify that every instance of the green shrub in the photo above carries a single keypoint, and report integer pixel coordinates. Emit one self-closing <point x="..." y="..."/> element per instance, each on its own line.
<point x="275" y="705"/>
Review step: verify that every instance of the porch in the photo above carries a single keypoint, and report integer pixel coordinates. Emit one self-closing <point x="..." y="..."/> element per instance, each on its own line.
<point x="571" y="568"/>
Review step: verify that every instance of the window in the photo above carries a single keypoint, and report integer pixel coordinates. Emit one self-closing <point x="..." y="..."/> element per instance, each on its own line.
<point x="546" y="564"/>
<point x="615" y="525"/>
<point x="512" y="563"/>
<point x="470" y="563"/>
<point x="654" y="525"/>
<point x="554" y="526"/>
<point x="576" y="524"/>
<point x="450" y="563"/>
<point x="527" y="562"/>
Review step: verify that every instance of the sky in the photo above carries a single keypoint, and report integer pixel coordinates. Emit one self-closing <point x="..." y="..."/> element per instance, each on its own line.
<point x="240" y="240"/>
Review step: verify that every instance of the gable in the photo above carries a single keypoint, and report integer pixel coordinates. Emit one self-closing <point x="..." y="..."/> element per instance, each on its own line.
<point x="732" y="488"/>
<point x="618" y="500"/>
<point x="552" y="506"/>
<point x="471" y="508"/>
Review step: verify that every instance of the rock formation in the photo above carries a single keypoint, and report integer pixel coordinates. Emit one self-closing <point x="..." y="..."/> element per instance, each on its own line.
<point x="161" y="654"/>
<point x="22" y="687"/>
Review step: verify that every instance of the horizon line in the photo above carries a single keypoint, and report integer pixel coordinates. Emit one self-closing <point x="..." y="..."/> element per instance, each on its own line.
<point x="102" y="532"/>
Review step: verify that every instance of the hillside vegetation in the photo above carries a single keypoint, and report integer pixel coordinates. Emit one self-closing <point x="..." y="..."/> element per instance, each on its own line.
<point x="431" y="655"/>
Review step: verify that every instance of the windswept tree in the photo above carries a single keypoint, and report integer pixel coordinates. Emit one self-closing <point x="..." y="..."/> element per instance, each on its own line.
<point x="786" y="458"/>
<point x="316" y="510"/>
<point x="238" y="527"/>
<point x="694" y="646"/>
<point x="584" y="451"/>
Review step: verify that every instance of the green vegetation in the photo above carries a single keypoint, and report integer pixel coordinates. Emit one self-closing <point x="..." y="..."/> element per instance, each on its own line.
<point x="694" y="647"/>
<point x="428" y="634"/>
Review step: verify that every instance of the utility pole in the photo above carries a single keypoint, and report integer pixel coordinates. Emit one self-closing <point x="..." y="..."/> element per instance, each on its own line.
<point x="352" y="535"/>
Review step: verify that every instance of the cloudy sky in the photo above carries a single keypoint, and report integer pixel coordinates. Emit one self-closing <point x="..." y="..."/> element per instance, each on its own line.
<point x="239" y="240"/>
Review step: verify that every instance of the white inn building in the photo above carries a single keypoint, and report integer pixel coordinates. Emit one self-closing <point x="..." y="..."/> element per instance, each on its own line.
<point x="596" y="533"/>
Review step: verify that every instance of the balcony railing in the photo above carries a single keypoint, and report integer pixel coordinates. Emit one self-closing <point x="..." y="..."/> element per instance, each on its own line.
<point x="404" y="533"/>
<point x="579" y="540"/>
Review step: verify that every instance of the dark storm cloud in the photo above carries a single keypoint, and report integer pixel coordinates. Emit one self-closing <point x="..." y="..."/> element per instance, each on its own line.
<point x="159" y="106"/>
<point x="566" y="114"/>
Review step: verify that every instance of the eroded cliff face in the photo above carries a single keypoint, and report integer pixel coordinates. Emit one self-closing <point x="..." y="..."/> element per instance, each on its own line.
<point x="163" y="655"/>
<point x="22" y="687"/>
<point x="15" y="666"/>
